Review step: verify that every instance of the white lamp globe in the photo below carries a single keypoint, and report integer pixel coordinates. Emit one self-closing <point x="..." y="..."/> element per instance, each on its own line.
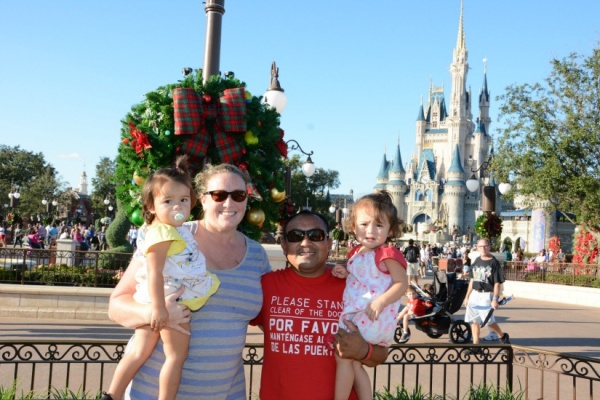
<point x="472" y="184"/>
<point x="276" y="99"/>
<point x="308" y="168"/>
<point x="504" y="188"/>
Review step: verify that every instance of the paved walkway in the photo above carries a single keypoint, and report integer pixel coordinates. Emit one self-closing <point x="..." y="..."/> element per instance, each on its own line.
<point x="544" y="325"/>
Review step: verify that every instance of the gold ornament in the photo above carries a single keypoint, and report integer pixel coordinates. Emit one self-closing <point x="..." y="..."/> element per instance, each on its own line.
<point x="138" y="179"/>
<point x="277" y="196"/>
<point x="255" y="216"/>
<point x="250" y="138"/>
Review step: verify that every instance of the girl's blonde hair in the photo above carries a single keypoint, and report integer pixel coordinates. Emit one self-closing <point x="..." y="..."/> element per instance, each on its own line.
<point x="383" y="208"/>
<point x="178" y="173"/>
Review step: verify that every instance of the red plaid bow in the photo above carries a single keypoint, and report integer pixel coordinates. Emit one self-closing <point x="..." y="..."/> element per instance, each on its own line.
<point x="212" y="122"/>
<point x="140" y="139"/>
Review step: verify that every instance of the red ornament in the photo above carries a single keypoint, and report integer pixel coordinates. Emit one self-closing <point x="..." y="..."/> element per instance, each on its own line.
<point x="243" y="166"/>
<point x="244" y="151"/>
<point x="206" y="98"/>
<point x="125" y="140"/>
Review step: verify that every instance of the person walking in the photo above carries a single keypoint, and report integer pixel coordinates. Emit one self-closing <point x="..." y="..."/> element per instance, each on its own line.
<point x="483" y="292"/>
<point x="18" y="236"/>
<point x="132" y="235"/>
<point x="411" y="253"/>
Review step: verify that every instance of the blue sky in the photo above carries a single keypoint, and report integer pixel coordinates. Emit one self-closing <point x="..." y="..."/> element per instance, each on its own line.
<point x="354" y="71"/>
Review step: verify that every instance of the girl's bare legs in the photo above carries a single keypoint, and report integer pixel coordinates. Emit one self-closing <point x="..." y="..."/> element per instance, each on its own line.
<point x="141" y="348"/>
<point x="362" y="383"/>
<point x="344" y="378"/>
<point x="176" y="345"/>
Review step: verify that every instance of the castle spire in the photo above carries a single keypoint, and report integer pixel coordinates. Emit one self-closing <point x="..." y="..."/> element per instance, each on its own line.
<point x="460" y="40"/>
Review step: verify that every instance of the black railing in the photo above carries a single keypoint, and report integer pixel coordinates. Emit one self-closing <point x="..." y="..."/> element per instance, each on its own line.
<point x="59" y="267"/>
<point x="43" y="367"/>
<point x="103" y="269"/>
<point x="572" y="274"/>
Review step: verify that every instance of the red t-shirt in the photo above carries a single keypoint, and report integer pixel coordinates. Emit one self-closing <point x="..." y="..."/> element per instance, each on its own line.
<point x="298" y="314"/>
<point x="417" y="307"/>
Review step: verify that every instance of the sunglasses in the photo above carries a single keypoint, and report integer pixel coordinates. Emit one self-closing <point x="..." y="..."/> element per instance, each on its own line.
<point x="221" y="195"/>
<point x="297" y="235"/>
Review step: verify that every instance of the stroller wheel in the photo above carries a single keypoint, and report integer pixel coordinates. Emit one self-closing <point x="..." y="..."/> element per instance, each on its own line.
<point x="460" y="332"/>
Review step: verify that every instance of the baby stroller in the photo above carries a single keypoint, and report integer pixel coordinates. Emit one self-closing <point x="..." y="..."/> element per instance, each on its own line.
<point x="449" y="295"/>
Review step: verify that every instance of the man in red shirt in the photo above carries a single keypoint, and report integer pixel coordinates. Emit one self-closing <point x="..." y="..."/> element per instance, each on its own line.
<point x="300" y="313"/>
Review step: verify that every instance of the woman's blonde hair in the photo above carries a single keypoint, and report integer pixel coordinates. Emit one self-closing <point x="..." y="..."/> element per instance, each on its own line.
<point x="203" y="177"/>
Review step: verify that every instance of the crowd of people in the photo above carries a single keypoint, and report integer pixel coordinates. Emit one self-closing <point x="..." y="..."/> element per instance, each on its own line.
<point x="38" y="236"/>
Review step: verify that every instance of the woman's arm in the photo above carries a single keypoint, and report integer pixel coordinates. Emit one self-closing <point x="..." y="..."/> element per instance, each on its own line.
<point x="125" y="311"/>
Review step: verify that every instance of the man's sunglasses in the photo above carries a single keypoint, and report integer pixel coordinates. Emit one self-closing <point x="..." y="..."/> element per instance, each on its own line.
<point x="221" y="195"/>
<point x="297" y="235"/>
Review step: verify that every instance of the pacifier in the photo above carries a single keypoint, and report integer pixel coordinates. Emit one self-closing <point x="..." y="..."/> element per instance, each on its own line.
<point x="177" y="216"/>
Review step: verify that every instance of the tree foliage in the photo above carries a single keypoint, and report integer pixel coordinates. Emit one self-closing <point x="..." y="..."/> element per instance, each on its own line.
<point x="549" y="145"/>
<point x="311" y="190"/>
<point x="35" y="178"/>
<point x="104" y="187"/>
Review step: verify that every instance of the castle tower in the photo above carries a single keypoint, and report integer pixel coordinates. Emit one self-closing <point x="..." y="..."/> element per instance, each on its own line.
<point x="382" y="176"/>
<point x="484" y="101"/>
<point x="397" y="184"/>
<point x="455" y="190"/>
<point x="83" y="185"/>
<point x="448" y="142"/>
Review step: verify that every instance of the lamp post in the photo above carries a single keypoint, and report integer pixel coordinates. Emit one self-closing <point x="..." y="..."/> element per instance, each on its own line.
<point x="275" y="96"/>
<point x="488" y="192"/>
<point x="49" y="204"/>
<point x="308" y="168"/>
<point x="14" y="196"/>
<point x="212" y="46"/>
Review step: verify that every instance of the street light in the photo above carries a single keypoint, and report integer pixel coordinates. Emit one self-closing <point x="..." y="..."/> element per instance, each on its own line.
<point x="109" y="206"/>
<point x="275" y="96"/>
<point x="488" y="193"/>
<point x="48" y="205"/>
<point x="308" y="168"/>
<point x="14" y="196"/>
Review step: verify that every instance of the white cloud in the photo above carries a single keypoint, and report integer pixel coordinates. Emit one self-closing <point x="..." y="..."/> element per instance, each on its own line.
<point x="70" y="156"/>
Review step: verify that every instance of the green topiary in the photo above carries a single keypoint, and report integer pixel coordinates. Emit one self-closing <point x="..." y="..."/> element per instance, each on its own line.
<point x="116" y="234"/>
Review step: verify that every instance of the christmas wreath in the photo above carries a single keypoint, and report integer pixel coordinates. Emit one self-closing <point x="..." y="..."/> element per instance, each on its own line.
<point x="214" y="122"/>
<point x="488" y="226"/>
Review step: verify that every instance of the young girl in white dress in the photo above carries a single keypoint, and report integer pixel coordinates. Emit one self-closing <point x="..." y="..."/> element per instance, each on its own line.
<point x="171" y="259"/>
<point x="376" y="281"/>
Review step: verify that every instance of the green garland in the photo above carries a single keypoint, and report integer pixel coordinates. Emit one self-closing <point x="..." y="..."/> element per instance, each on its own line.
<point x="155" y="118"/>
<point x="488" y="226"/>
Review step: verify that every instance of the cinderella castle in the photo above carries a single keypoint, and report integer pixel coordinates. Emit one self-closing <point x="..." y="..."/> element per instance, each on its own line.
<point x="430" y="191"/>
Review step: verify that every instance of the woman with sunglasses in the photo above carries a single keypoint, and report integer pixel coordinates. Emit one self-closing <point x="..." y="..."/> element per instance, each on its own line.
<point x="214" y="367"/>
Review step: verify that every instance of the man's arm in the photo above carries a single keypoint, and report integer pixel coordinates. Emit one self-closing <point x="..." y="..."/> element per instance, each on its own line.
<point x="350" y="344"/>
